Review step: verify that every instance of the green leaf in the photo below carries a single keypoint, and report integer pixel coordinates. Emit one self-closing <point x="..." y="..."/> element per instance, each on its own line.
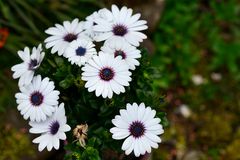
<point x="67" y="82"/>
<point x="91" y="154"/>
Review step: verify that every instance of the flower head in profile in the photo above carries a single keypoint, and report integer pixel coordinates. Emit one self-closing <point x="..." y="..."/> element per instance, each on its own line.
<point x="62" y="35"/>
<point x="52" y="130"/>
<point x="90" y="21"/>
<point x="139" y="127"/>
<point x="105" y="74"/>
<point x="37" y="100"/>
<point x="25" y="70"/>
<point x="121" y="23"/>
<point x="121" y="48"/>
<point x="80" y="51"/>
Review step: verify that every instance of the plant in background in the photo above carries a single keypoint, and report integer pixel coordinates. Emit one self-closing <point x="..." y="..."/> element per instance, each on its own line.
<point x="210" y="53"/>
<point x="15" y="143"/>
<point x="113" y="71"/>
<point x="3" y="36"/>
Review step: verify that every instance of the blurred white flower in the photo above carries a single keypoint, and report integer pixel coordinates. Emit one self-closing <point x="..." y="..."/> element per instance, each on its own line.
<point x="52" y="130"/>
<point x="121" y="23"/>
<point x="216" y="76"/>
<point x="139" y="126"/>
<point x="197" y="79"/>
<point x="185" y="111"/>
<point x="26" y="69"/>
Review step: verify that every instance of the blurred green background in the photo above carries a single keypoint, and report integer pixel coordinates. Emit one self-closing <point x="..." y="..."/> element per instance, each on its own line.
<point x="194" y="43"/>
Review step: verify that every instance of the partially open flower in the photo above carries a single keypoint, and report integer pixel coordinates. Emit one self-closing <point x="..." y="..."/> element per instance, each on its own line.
<point x="90" y="21"/>
<point x="31" y="62"/>
<point x="122" y="48"/>
<point x="80" y="132"/>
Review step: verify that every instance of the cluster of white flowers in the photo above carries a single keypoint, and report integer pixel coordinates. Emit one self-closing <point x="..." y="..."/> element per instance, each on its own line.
<point x="106" y="72"/>
<point x="38" y="101"/>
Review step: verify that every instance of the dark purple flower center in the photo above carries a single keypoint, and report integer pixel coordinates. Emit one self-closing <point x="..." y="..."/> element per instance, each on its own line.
<point x="54" y="127"/>
<point x="106" y="74"/>
<point x="80" y="51"/>
<point x="36" y="98"/>
<point x="70" y="37"/>
<point x="120" y="53"/>
<point x="119" y="30"/>
<point x="33" y="63"/>
<point x="137" y="129"/>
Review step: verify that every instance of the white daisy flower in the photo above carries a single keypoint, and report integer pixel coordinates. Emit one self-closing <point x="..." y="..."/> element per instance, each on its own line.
<point x="123" y="24"/>
<point x="105" y="74"/>
<point x="138" y="125"/>
<point x="80" y="51"/>
<point x="90" y="21"/>
<point x="63" y="35"/>
<point x="38" y="99"/>
<point x="121" y="48"/>
<point x="26" y="69"/>
<point x="52" y="130"/>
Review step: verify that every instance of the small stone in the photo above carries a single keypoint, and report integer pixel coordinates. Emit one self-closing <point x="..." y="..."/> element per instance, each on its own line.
<point x="193" y="155"/>
<point x="185" y="111"/>
<point x="216" y="76"/>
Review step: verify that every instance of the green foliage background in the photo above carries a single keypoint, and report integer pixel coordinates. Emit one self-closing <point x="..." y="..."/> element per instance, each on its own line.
<point x="193" y="37"/>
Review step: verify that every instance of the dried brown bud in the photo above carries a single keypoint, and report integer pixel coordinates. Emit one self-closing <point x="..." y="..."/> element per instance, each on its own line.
<point x="80" y="132"/>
